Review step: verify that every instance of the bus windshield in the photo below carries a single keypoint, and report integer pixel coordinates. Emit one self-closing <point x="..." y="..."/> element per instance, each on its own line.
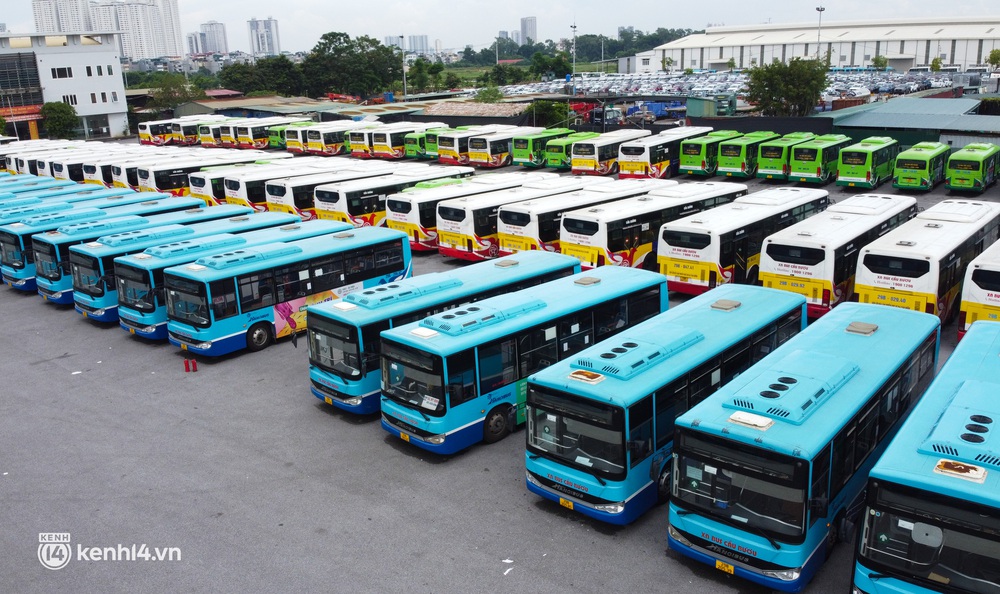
<point x="516" y="219"/>
<point x="87" y="274"/>
<point x="555" y="149"/>
<point x="687" y="239"/>
<point x="933" y="541"/>
<point x="584" y="149"/>
<point x="413" y="379"/>
<point x="988" y="280"/>
<point x="333" y="347"/>
<point x="10" y="251"/>
<point x="580" y="227"/>
<point x="187" y="301"/>
<point x="747" y="487"/>
<point x="134" y="288"/>
<point x="588" y="436"/>
<point x="46" y="261"/>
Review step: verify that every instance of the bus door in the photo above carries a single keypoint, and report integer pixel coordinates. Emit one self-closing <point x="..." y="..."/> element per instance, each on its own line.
<point x="742" y="248"/>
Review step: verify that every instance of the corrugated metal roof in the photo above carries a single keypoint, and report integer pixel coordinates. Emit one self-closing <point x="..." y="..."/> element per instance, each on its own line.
<point x="945" y="29"/>
<point x="945" y="115"/>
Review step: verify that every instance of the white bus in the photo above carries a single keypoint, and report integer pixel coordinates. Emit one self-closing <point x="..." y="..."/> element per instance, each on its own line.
<point x="453" y="146"/>
<point x="172" y="176"/>
<point x="467" y="227"/>
<point x="296" y="195"/>
<point x="599" y="156"/>
<point x="210" y="183"/>
<point x="624" y="232"/>
<point x="657" y="155"/>
<point x="389" y="141"/>
<point x="325" y="139"/>
<point x="817" y="257"/>
<point x="125" y="172"/>
<point x="361" y="140"/>
<point x="210" y="134"/>
<point x="188" y="132"/>
<point x="723" y="245"/>
<point x="535" y="224"/>
<point x="43" y="164"/>
<point x="248" y="188"/>
<point x="362" y="202"/>
<point x="921" y="264"/>
<point x="495" y="149"/>
<point x="981" y="290"/>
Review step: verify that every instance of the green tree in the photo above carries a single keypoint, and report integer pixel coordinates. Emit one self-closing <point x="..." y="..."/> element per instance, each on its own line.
<point x="936" y="65"/>
<point x="880" y="62"/>
<point x="359" y="66"/>
<point x="281" y="75"/>
<point x="489" y="94"/>
<point x="240" y="77"/>
<point x="731" y="64"/>
<point x="417" y="75"/>
<point x="171" y="91"/>
<point x="549" y="113"/>
<point x="994" y="58"/>
<point x="434" y="71"/>
<point x="791" y="89"/>
<point x="452" y="81"/>
<point x="668" y="63"/>
<point x="59" y="120"/>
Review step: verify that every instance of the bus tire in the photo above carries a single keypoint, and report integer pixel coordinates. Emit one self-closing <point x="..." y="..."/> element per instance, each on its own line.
<point x="663" y="484"/>
<point x="495" y="427"/>
<point x="833" y="536"/>
<point x="258" y="336"/>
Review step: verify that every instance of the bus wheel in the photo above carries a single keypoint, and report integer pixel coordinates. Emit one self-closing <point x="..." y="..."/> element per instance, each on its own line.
<point x="663" y="484"/>
<point x="495" y="425"/>
<point x="833" y="536"/>
<point x="258" y="336"/>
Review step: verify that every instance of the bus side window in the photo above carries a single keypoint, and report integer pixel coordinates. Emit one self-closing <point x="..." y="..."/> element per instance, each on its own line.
<point x="497" y="365"/>
<point x="705" y="379"/>
<point x="671" y="402"/>
<point x="640" y="430"/>
<point x="223" y="299"/>
<point x="292" y="281"/>
<point x="537" y="349"/>
<point x="461" y="378"/>
<point x="609" y="317"/>
<point x="256" y="291"/>
<point x="575" y="333"/>
<point x="327" y="274"/>
<point x="820" y="481"/>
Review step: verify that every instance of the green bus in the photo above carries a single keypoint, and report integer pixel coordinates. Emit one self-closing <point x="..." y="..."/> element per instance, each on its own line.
<point x="415" y="143"/>
<point x="529" y="150"/>
<point x="868" y="163"/>
<point x="700" y="155"/>
<point x="559" y="151"/>
<point x="738" y="156"/>
<point x="774" y="157"/>
<point x="921" y="167"/>
<point x="973" y="168"/>
<point x="276" y="134"/>
<point x="815" y="161"/>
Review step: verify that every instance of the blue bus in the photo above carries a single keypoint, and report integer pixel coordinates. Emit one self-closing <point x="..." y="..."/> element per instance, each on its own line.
<point x="142" y="309"/>
<point x="50" y="250"/>
<point x="74" y="193"/>
<point x="11" y="214"/>
<point x="344" y="334"/>
<point x="17" y="260"/>
<point x="248" y="298"/>
<point x="12" y="189"/>
<point x="769" y="472"/>
<point x="601" y="425"/>
<point x="460" y="377"/>
<point x="932" y="516"/>
<point x="95" y="290"/>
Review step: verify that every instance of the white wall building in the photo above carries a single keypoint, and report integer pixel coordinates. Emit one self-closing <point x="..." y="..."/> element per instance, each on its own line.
<point x="906" y="43"/>
<point x="418" y="45"/>
<point x="264" y="39"/>
<point x="529" y="30"/>
<point x="55" y="16"/>
<point x="173" y="39"/>
<point x="215" y="40"/>
<point x="81" y="69"/>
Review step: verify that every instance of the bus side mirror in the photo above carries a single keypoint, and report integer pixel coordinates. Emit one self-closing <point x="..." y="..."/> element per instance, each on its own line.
<point x="655" y="465"/>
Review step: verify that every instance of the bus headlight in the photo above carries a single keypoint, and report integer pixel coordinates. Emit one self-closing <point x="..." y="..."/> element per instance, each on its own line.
<point x="98" y="312"/>
<point x="203" y="346"/>
<point x="785" y="575"/>
<point x="435" y="439"/>
<point x="611" y="508"/>
<point x="353" y="401"/>
<point x="674" y="534"/>
<point x="19" y="283"/>
<point x="147" y="329"/>
<point x="531" y="479"/>
<point x="857" y="590"/>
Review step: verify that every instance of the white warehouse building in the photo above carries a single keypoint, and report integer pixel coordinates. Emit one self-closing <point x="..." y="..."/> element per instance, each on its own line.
<point x="960" y="43"/>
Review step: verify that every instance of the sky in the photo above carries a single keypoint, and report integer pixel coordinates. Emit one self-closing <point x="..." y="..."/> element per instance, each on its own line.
<point x="458" y="23"/>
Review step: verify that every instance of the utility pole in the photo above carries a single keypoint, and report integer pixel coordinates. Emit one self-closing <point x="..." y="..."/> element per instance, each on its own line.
<point x="573" y="27"/>
<point x="402" y="52"/>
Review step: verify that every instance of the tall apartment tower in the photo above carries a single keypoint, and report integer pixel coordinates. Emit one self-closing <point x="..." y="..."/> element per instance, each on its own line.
<point x="214" y="38"/>
<point x="61" y="16"/>
<point x="173" y="39"/>
<point x="392" y="41"/>
<point x="264" y="40"/>
<point x="418" y="45"/>
<point x="529" y="30"/>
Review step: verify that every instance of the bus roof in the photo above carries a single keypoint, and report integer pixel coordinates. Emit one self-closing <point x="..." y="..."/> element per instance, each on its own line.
<point x="545" y="133"/>
<point x="843" y="221"/>
<point x="655" y="352"/>
<point x="622" y="188"/>
<point x="52" y="221"/>
<point x="574" y="137"/>
<point x="964" y="389"/>
<point x="834" y="366"/>
<point x="655" y="200"/>
<point x="824" y="141"/>
<point x="924" y="149"/>
<point x="528" y="191"/>
<point x="872" y="143"/>
<point x="388" y="301"/>
<point x="976" y="150"/>
<point x="713" y="137"/>
<point x="790" y="139"/>
<point x="476" y="184"/>
<point x="459" y="329"/>
<point x="398" y="176"/>
<point x="752" y="138"/>
<point x="679" y="133"/>
<point x="229" y="264"/>
<point x="615" y="136"/>
<point x="936" y="231"/>
<point x="743" y="210"/>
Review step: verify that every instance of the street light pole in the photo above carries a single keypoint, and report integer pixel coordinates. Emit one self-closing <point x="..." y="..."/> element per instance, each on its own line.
<point x="819" y="28"/>
<point x="573" y="27"/>
<point x="402" y="53"/>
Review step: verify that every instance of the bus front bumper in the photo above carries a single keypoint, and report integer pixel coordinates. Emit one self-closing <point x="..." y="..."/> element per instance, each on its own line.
<point x="612" y="512"/>
<point x="442" y="443"/>
<point x="360" y="405"/>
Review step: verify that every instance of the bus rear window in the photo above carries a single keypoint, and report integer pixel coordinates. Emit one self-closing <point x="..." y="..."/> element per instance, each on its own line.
<point x="772" y="152"/>
<point x="962" y="165"/>
<point x="633" y="151"/>
<point x="580" y="227"/>
<point x="893" y="266"/>
<point x="583" y="149"/>
<point x="804" y="154"/>
<point x="449" y="213"/>
<point x="478" y="144"/>
<point x="446" y="142"/>
<point x="515" y="219"/>
<point x="521" y="143"/>
<point x="691" y="149"/>
<point x="911" y="164"/>
<point x="555" y="149"/>
<point x="730" y="150"/>
<point x="793" y="254"/>
<point x="987" y="280"/>
<point x="853" y="157"/>
<point x="686" y="239"/>
<point x="275" y="189"/>
<point x="400" y="206"/>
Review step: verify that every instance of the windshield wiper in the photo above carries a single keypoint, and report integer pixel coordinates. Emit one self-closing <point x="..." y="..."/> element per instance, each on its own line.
<point x="874" y="576"/>
<point x="762" y="532"/>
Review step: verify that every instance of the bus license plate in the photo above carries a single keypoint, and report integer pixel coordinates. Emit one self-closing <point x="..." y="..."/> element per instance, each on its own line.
<point x="131" y="330"/>
<point x="328" y="400"/>
<point x="724" y="567"/>
<point x="84" y="313"/>
<point x="404" y="437"/>
<point x="566" y="503"/>
<point x="184" y="347"/>
<point x="850" y="184"/>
